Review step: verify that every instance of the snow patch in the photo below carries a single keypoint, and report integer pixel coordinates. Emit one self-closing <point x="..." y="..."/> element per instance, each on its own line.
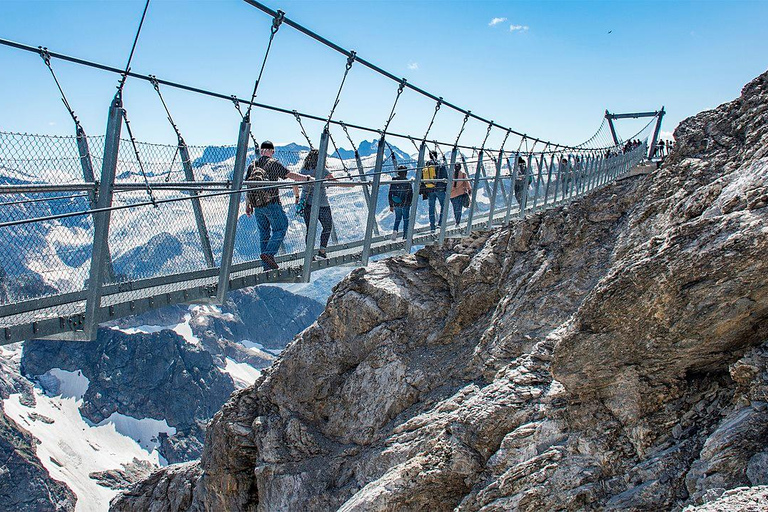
<point x="65" y="383"/>
<point x="242" y="373"/>
<point x="145" y="431"/>
<point x="70" y="449"/>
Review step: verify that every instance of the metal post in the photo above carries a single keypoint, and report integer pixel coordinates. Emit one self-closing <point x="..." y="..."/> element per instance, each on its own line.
<point x="447" y="199"/>
<point x="101" y="220"/>
<point x="314" y="211"/>
<point x="197" y="209"/>
<point x="88" y="176"/>
<point x="415" y="199"/>
<point x="496" y="181"/>
<point x="558" y="180"/>
<point x="524" y="204"/>
<point x="475" y="185"/>
<point x="549" y="180"/>
<point x="656" y="131"/>
<point x="371" y="221"/>
<point x="228" y="247"/>
<point x="609" y="117"/>
<point x="366" y="192"/>
<point x="513" y="170"/>
<point x="538" y="183"/>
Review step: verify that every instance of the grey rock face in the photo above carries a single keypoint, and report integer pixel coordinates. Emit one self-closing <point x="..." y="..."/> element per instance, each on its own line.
<point x="25" y="484"/>
<point x="606" y="355"/>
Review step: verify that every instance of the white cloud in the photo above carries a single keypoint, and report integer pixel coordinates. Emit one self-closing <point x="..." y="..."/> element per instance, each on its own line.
<point x="496" y="21"/>
<point x="413" y="65"/>
<point x="515" y="28"/>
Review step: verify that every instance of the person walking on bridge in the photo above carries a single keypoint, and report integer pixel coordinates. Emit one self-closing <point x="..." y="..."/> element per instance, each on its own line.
<point x="305" y="201"/>
<point x="433" y="191"/>
<point x="521" y="180"/>
<point x="460" y="192"/>
<point x="264" y="203"/>
<point x="400" y="198"/>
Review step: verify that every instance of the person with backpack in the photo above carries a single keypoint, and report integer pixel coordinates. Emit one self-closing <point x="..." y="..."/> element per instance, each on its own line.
<point x="433" y="191"/>
<point x="263" y="202"/>
<point x="304" y="203"/>
<point x="460" y="192"/>
<point x="520" y="180"/>
<point x="400" y="199"/>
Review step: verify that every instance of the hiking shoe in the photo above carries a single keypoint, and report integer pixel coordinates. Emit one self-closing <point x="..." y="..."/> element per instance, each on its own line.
<point x="322" y="254"/>
<point x="269" y="261"/>
<point x="394" y="235"/>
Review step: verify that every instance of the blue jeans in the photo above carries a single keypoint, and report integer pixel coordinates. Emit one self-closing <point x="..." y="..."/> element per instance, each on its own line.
<point x="437" y="195"/>
<point x="402" y="213"/>
<point x="271" y="218"/>
<point x="458" y="206"/>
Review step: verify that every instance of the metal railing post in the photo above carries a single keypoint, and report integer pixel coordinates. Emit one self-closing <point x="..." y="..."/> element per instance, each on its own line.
<point x="558" y="179"/>
<point x="549" y="180"/>
<point x="371" y="221"/>
<point x="447" y="199"/>
<point x="537" y="187"/>
<point x="527" y="173"/>
<point x="197" y="209"/>
<point x="513" y="170"/>
<point x="366" y="192"/>
<point x="89" y="177"/>
<point x="314" y="211"/>
<point x="228" y="247"/>
<point x="99" y="253"/>
<point x="495" y="190"/>
<point x="415" y="200"/>
<point x="475" y="186"/>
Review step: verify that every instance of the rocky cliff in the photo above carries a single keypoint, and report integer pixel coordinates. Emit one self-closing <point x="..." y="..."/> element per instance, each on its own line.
<point x="610" y="354"/>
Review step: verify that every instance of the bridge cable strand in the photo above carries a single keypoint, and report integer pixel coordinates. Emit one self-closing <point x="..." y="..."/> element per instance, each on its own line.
<point x="432" y="121"/>
<point x="487" y="133"/>
<point x="338" y="154"/>
<point x="124" y="75"/>
<point x="276" y="22"/>
<point x="394" y="106"/>
<point x="303" y="131"/>
<point x="138" y="157"/>
<point x="236" y="102"/>
<point x="46" y="56"/>
<point x="463" y="125"/>
<point x="347" y="67"/>
<point x="181" y="143"/>
<point x="42" y="199"/>
<point x="346" y="132"/>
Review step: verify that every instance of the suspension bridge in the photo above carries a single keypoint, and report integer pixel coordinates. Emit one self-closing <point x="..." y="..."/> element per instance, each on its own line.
<point x="96" y="228"/>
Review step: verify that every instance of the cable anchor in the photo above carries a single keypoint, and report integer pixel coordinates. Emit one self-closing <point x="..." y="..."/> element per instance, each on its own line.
<point x="277" y="21"/>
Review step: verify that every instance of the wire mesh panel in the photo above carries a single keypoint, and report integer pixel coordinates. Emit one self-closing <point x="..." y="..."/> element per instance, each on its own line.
<point x="46" y="257"/>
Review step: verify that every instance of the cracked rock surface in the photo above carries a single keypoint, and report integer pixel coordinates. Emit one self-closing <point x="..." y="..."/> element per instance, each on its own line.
<point x="609" y="354"/>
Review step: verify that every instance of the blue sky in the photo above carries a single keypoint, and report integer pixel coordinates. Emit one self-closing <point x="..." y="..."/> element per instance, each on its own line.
<point x="551" y="76"/>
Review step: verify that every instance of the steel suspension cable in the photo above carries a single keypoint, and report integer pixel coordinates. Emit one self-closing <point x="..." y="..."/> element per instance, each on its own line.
<point x="303" y="131"/>
<point x="180" y="139"/>
<point x="46" y="56"/>
<point x="277" y="20"/>
<point x="432" y="121"/>
<point x="236" y="102"/>
<point x="347" y="67"/>
<point x="463" y="125"/>
<point x="133" y="50"/>
<point x="198" y="90"/>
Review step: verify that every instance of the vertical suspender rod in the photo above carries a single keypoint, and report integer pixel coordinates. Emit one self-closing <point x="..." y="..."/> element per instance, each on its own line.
<point x="99" y="253"/>
<point x="233" y="212"/>
<point x="371" y="220"/>
<point x="415" y="199"/>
